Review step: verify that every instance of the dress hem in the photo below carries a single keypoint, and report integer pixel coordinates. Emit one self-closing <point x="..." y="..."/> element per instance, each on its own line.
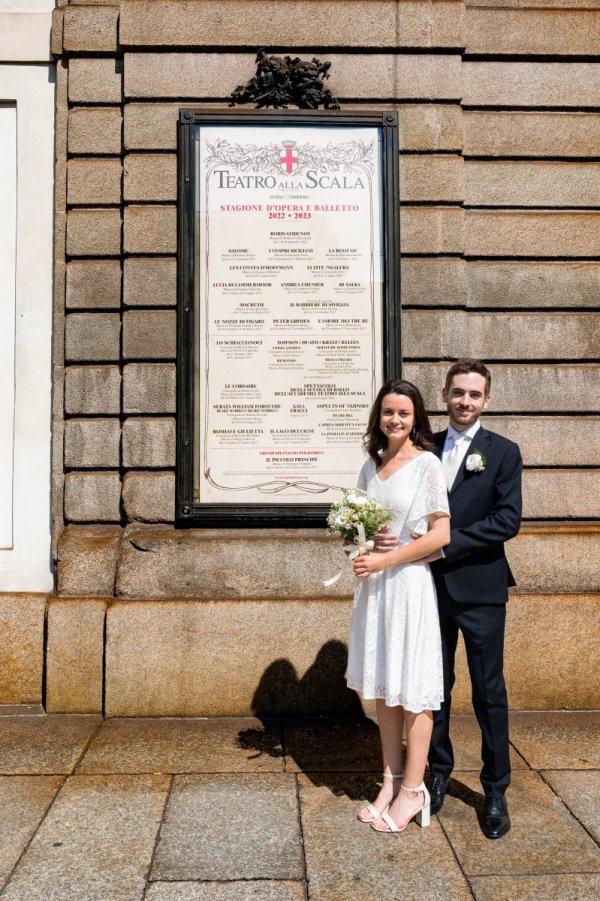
<point x="395" y="703"/>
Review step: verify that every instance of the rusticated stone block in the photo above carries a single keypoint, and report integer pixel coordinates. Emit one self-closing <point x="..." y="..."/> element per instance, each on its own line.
<point x="95" y="80"/>
<point x="579" y="443"/>
<point x="541" y="668"/>
<point x="150" y="229"/>
<point x="279" y="22"/>
<point x="532" y="233"/>
<point x="151" y="126"/>
<point x="21" y="648"/>
<point x="61" y="119"/>
<point x="431" y="230"/>
<point x="150" y="282"/>
<point x="162" y="562"/>
<point x="93" y="232"/>
<point x="93" y="283"/>
<point x="75" y="655"/>
<point x="60" y="266"/>
<point x="430" y="282"/>
<point x="537" y="32"/>
<point x="57" y="507"/>
<point x="149" y="496"/>
<point x="92" y="389"/>
<point x="62" y="86"/>
<point x="561" y="493"/>
<point x="530" y="84"/>
<point x="89" y="28"/>
<point x="541" y="184"/>
<point x="519" y="388"/>
<point x="150" y="176"/>
<point x="184" y="683"/>
<point x="498" y="336"/>
<point x="149" y="75"/>
<point x="192" y="75"/>
<point x="543" y="335"/>
<point x="527" y="283"/>
<point x="430" y="127"/>
<point x="94" y="181"/>
<point x="92" y="497"/>
<point x="434" y="334"/>
<point x="150" y="333"/>
<point x="432" y="178"/>
<point x="148" y="442"/>
<point x="525" y="133"/>
<point x="149" y="388"/>
<point x="556" y="557"/>
<point x="92" y="336"/>
<point x="411" y="77"/>
<point x="545" y="672"/>
<point x="95" y="130"/>
<point x="56" y="35"/>
<point x="92" y="443"/>
<point x="87" y="560"/>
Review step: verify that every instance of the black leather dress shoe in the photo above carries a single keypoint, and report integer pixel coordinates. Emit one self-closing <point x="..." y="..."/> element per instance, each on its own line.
<point x="436" y="786"/>
<point x="496" y="821"/>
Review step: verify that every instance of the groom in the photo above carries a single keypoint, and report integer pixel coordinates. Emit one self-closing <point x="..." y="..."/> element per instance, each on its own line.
<point x="483" y="473"/>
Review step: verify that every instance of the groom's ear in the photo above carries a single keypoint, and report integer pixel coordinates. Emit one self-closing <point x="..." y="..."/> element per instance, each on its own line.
<point x="487" y="400"/>
<point x="445" y="394"/>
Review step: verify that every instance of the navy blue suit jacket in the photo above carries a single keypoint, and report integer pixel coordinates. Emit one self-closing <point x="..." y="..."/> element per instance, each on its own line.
<point x="485" y="511"/>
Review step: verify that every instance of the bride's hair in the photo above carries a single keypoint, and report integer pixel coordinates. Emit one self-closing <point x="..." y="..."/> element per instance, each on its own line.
<point x="374" y="440"/>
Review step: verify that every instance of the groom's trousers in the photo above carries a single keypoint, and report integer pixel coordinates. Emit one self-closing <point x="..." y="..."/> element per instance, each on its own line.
<point x="482" y="627"/>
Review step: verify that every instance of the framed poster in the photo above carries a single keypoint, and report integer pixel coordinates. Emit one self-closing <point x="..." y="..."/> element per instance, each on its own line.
<point x="288" y="308"/>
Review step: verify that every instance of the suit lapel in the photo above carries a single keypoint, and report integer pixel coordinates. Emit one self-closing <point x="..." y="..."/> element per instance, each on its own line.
<point x="439" y="439"/>
<point x="479" y="442"/>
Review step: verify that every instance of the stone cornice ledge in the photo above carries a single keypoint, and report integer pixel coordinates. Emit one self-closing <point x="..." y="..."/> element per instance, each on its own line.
<point x="159" y="562"/>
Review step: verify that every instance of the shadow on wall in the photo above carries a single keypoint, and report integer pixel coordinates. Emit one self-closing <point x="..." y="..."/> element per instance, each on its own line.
<point x="322" y="690"/>
<point x="323" y="730"/>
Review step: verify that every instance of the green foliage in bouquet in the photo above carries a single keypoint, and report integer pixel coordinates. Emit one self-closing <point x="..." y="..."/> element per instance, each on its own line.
<point x="354" y="508"/>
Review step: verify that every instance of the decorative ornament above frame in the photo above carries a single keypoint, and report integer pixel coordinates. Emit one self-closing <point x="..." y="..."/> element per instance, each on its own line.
<point x="282" y="80"/>
<point x="288" y="308"/>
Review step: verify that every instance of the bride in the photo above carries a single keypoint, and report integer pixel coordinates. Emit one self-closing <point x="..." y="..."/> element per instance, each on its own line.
<point x="395" y="649"/>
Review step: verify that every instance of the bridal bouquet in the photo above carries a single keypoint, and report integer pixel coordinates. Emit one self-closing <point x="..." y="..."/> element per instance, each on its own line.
<point x="356" y="518"/>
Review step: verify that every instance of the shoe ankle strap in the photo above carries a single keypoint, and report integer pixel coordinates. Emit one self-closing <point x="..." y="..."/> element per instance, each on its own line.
<point x="393" y="776"/>
<point x="413" y="791"/>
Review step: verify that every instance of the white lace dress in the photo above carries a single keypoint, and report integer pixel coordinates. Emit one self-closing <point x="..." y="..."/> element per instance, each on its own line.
<point x="395" y="649"/>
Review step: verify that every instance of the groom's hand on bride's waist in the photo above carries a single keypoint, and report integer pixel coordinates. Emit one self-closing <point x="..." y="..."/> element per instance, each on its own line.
<point x="385" y="540"/>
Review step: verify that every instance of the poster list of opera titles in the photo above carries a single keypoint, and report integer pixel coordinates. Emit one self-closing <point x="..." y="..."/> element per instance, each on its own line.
<point x="289" y="307"/>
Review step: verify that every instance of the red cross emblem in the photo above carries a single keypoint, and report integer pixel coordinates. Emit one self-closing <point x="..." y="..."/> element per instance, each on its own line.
<point x="287" y="159"/>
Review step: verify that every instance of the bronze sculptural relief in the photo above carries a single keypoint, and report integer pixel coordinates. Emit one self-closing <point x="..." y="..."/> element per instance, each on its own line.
<point x="281" y="81"/>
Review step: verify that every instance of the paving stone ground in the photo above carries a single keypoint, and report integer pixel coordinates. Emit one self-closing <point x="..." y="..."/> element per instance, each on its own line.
<point x="252" y="810"/>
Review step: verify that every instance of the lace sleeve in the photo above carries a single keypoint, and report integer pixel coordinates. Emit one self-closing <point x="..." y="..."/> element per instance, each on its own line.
<point x="430" y="497"/>
<point x="364" y="475"/>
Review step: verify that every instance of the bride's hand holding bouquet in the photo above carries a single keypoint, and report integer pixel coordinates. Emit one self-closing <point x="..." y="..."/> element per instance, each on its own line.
<point x="358" y="519"/>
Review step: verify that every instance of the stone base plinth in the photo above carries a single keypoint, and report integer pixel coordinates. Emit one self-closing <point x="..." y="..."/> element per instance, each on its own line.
<point x="223" y="658"/>
<point x="235" y="657"/>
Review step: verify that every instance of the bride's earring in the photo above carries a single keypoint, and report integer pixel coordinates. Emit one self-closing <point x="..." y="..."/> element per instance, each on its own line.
<point x="413" y="432"/>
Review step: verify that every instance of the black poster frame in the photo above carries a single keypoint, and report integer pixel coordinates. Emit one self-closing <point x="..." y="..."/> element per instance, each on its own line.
<point x="189" y="512"/>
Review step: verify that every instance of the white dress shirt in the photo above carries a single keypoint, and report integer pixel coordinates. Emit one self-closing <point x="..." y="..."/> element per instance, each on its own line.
<point x="466" y="435"/>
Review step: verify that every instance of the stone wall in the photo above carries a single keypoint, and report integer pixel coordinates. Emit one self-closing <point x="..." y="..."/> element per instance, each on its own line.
<point x="500" y="194"/>
<point x="500" y="247"/>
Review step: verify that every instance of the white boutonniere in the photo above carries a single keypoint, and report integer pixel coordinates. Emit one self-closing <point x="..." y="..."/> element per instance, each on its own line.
<point x="476" y="461"/>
